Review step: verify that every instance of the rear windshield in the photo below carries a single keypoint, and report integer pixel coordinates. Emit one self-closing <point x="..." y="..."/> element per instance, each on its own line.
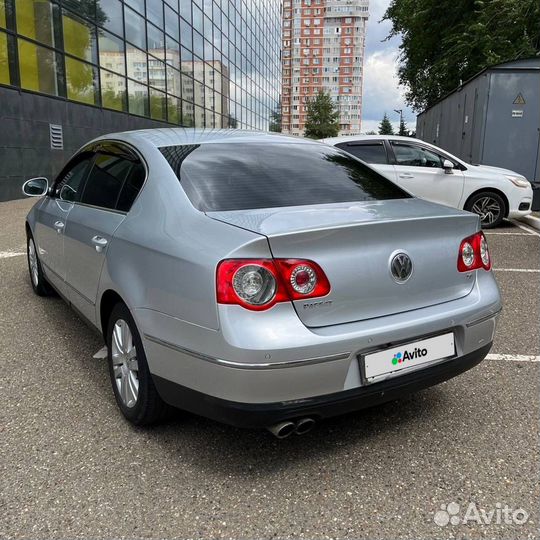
<point x="228" y="176"/>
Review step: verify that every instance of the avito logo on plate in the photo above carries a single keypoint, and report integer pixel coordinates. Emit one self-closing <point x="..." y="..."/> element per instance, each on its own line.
<point x="400" y="358"/>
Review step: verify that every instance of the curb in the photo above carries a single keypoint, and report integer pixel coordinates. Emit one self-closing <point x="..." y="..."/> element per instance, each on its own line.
<point x="531" y="221"/>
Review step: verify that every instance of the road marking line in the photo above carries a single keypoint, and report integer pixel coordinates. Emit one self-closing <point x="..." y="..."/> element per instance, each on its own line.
<point x="9" y="254"/>
<point x="525" y="228"/>
<point x="530" y="270"/>
<point x="507" y="233"/>
<point x="514" y="357"/>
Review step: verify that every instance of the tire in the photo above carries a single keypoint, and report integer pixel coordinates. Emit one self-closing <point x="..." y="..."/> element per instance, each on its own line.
<point x="39" y="284"/>
<point x="490" y="206"/>
<point x="131" y="380"/>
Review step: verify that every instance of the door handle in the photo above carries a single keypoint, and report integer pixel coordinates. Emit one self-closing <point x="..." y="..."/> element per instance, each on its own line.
<point x="406" y="175"/>
<point x="59" y="226"/>
<point x="99" y="242"/>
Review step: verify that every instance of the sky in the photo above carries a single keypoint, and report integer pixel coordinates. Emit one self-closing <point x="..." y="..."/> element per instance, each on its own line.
<point x="382" y="92"/>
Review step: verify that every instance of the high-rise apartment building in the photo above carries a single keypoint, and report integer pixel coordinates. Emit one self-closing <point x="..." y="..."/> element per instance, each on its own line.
<point x="323" y="49"/>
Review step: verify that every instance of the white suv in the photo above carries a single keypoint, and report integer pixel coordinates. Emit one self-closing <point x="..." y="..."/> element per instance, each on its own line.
<point x="433" y="174"/>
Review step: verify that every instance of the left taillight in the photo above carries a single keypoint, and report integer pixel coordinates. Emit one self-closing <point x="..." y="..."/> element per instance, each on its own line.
<point x="474" y="253"/>
<point x="258" y="284"/>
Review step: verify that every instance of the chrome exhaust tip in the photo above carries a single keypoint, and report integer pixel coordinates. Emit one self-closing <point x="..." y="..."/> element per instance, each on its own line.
<point x="282" y="429"/>
<point x="304" y="425"/>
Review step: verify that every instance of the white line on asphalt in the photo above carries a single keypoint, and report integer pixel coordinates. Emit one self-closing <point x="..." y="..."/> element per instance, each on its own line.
<point x="8" y="254"/>
<point x="530" y="270"/>
<point x="514" y="357"/>
<point x="525" y="228"/>
<point x="490" y="233"/>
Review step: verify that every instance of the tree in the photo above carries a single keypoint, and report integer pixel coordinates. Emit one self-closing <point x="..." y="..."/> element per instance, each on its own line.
<point x="403" y="127"/>
<point x="445" y="42"/>
<point x="322" y="117"/>
<point x="385" y="127"/>
<point x="275" y="119"/>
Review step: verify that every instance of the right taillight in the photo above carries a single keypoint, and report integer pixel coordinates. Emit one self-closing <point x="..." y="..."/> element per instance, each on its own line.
<point x="474" y="253"/>
<point x="258" y="284"/>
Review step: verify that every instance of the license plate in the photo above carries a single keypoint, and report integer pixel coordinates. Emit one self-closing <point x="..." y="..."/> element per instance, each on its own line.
<point x="402" y="357"/>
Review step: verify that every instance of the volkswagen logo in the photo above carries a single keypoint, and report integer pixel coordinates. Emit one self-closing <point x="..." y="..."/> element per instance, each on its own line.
<point x="401" y="267"/>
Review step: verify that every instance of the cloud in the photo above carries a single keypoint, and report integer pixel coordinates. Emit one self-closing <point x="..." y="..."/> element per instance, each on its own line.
<point x="382" y="92"/>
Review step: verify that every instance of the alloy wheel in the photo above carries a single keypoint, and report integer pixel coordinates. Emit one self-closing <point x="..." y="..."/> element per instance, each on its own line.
<point x="33" y="262"/>
<point x="125" y="365"/>
<point x="488" y="209"/>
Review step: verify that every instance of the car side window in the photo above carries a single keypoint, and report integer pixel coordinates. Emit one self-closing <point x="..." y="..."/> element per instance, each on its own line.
<point x="416" y="156"/>
<point x="106" y="179"/>
<point x="369" y="152"/>
<point x="131" y="188"/>
<point x="70" y="182"/>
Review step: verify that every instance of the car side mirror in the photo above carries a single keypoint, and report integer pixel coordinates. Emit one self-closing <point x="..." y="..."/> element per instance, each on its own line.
<point x="36" y="187"/>
<point x="448" y="166"/>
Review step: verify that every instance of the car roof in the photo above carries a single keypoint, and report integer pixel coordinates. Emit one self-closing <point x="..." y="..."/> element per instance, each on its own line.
<point x="159" y="137"/>
<point x="353" y="138"/>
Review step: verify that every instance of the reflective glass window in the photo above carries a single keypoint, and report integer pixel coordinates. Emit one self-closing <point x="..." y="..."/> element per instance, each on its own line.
<point x="158" y="104"/>
<point x="35" y="20"/>
<point x="174" y="111"/>
<point x="135" y="28"/>
<point x="171" y="22"/>
<point x="186" y="35"/>
<point x="185" y="10"/>
<point x="81" y="81"/>
<point x="154" y="12"/>
<point x="137" y="98"/>
<point x="111" y="16"/>
<point x="113" y="91"/>
<point x="37" y="67"/>
<point x="156" y="40"/>
<point x="174" y="81"/>
<point x="2" y="14"/>
<point x="79" y="37"/>
<point x="138" y="4"/>
<point x="4" y="60"/>
<point x="156" y="73"/>
<point x="137" y="64"/>
<point x="112" y="54"/>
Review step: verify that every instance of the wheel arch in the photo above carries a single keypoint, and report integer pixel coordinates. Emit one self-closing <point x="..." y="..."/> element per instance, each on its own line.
<point x="109" y="299"/>
<point x="490" y="190"/>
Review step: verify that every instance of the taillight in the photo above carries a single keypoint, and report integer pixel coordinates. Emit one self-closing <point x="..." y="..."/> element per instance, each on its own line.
<point x="258" y="284"/>
<point x="474" y="253"/>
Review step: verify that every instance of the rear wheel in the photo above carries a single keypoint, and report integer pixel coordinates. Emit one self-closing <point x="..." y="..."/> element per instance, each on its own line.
<point x="39" y="283"/>
<point x="489" y="206"/>
<point x="131" y="380"/>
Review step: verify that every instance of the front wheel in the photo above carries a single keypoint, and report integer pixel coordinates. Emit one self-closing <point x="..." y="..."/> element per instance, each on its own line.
<point x="132" y="383"/>
<point x="489" y="206"/>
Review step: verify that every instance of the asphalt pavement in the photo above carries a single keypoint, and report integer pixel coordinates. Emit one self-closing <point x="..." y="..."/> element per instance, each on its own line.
<point x="459" y="460"/>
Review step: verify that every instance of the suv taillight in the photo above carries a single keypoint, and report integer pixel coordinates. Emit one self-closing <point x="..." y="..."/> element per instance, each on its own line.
<point x="474" y="253"/>
<point x="258" y="284"/>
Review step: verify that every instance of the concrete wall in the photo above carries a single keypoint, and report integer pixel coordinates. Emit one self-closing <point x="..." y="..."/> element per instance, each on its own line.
<point x="478" y="122"/>
<point x="25" y="149"/>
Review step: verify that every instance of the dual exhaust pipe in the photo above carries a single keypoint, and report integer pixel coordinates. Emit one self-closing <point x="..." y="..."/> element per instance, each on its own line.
<point x="288" y="427"/>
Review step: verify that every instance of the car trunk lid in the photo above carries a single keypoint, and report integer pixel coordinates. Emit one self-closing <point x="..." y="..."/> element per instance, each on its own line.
<point x="355" y="243"/>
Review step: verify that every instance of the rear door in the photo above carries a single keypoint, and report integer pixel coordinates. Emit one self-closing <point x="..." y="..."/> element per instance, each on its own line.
<point x="116" y="176"/>
<point x="372" y="152"/>
<point x="53" y="216"/>
<point x="419" y="170"/>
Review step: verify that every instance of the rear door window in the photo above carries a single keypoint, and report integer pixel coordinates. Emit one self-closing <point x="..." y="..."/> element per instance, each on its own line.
<point x="373" y="152"/>
<point x="234" y="176"/>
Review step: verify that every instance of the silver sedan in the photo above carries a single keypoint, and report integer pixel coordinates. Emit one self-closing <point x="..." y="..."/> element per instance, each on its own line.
<point x="257" y="279"/>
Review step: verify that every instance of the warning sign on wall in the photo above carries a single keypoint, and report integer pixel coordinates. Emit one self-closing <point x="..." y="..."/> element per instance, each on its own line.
<point x="520" y="100"/>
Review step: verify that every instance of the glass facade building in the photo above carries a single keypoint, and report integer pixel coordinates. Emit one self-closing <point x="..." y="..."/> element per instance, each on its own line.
<point x="202" y="63"/>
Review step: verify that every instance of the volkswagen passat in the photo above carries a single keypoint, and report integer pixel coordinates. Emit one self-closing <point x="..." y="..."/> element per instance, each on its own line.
<point x="435" y="175"/>
<point x="258" y="279"/>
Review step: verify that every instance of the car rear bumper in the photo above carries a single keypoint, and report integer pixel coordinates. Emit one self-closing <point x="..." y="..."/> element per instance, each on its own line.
<point x="266" y="414"/>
